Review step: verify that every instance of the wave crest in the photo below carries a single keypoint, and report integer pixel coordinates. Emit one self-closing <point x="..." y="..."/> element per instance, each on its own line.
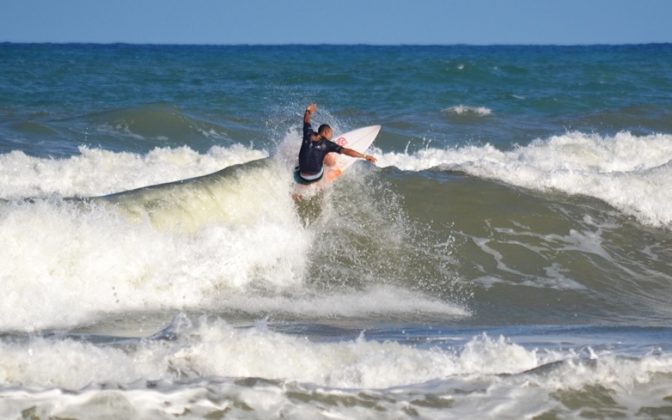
<point x="99" y="172"/>
<point x="631" y="173"/>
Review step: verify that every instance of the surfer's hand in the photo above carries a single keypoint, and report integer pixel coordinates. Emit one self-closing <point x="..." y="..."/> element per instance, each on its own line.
<point x="370" y="158"/>
<point x="312" y="108"/>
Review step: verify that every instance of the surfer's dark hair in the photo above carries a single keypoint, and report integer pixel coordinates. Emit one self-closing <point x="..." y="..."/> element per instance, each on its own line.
<point x="323" y="128"/>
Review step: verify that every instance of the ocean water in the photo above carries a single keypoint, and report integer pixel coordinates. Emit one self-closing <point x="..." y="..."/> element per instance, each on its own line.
<point x="510" y="256"/>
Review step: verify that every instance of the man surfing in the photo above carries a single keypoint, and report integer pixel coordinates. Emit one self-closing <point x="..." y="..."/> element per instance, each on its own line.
<point x="317" y="152"/>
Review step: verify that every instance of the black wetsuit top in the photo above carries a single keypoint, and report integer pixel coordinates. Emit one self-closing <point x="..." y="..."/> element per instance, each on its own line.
<point x="312" y="153"/>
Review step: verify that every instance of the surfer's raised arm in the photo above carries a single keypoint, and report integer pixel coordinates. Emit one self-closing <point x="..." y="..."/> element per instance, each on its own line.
<point x="310" y="110"/>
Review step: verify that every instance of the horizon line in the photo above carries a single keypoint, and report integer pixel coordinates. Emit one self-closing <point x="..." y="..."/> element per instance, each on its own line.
<point x="292" y="44"/>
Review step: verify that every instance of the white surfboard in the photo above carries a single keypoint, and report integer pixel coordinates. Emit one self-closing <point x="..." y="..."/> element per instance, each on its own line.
<point x="359" y="139"/>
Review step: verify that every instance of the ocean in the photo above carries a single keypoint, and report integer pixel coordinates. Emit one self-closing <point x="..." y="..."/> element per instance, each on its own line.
<point x="509" y="256"/>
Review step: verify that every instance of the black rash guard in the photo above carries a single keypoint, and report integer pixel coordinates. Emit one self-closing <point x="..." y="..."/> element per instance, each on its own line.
<point x="311" y="155"/>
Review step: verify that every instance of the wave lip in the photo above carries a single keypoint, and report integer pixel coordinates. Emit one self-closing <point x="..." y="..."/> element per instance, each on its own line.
<point x="97" y="172"/>
<point x="631" y="173"/>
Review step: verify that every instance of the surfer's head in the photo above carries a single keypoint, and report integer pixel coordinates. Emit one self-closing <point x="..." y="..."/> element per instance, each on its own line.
<point x="325" y="131"/>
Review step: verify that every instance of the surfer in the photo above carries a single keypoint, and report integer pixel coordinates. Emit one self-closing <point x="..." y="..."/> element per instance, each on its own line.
<point x="317" y="151"/>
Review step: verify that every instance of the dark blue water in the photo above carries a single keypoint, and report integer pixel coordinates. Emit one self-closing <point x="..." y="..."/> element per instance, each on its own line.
<point x="531" y="92"/>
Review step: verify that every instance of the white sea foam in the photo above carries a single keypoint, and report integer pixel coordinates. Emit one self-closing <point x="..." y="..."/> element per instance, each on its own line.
<point x="94" y="261"/>
<point x="240" y="248"/>
<point x="464" y="110"/>
<point x="199" y="373"/>
<point x="632" y="173"/>
<point x="215" y="349"/>
<point x="222" y="243"/>
<point x="99" y="172"/>
<point x="96" y="257"/>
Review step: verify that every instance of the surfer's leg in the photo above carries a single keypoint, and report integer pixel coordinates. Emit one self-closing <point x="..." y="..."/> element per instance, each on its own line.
<point x="330" y="159"/>
<point x="331" y="172"/>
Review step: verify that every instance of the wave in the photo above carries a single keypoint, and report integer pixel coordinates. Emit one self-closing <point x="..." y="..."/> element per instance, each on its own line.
<point x="99" y="172"/>
<point x="209" y="349"/>
<point x="464" y="110"/>
<point x="157" y="122"/>
<point x="208" y="364"/>
<point x="174" y="245"/>
<point x="234" y="242"/>
<point x="226" y="241"/>
<point x="629" y="172"/>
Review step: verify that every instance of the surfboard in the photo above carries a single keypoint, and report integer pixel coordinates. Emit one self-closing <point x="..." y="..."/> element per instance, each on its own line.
<point x="359" y="139"/>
